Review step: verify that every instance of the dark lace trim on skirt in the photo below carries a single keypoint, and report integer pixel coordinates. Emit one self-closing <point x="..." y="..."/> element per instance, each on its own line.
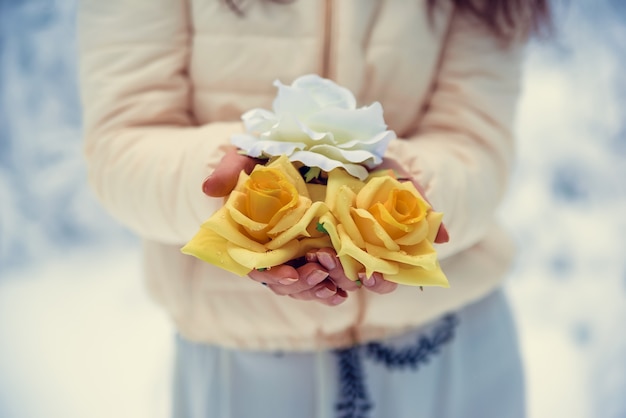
<point x="354" y="400"/>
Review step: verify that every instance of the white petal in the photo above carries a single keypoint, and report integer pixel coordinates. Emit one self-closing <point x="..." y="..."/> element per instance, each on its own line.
<point x="290" y="128"/>
<point x="326" y="92"/>
<point x="255" y="147"/>
<point x="312" y="159"/>
<point x="293" y="101"/>
<point x="352" y="156"/>
<point x="258" y="120"/>
<point x="349" y="124"/>
<point x="376" y="145"/>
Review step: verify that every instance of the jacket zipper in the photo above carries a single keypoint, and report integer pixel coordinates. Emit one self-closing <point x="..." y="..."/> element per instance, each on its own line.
<point x="327" y="43"/>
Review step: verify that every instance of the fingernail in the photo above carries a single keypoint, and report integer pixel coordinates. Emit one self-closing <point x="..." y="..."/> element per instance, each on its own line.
<point x="442" y="235"/>
<point x="367" y="281"/>
<point x="337" y="299"/>
<point x="324" y="293"/>
<point x="205" y="186"/>
<point x="311" y="257"/>
<point x="327" y="260"/>
<point x="287" y="281"/>
<point x="316" y="277"/>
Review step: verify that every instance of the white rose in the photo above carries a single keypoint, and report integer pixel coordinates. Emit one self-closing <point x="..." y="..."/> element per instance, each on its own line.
<point x="316" y="122"/>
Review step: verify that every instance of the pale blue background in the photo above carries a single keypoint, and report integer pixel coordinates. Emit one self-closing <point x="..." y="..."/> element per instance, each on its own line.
<point x="78" y="337"/>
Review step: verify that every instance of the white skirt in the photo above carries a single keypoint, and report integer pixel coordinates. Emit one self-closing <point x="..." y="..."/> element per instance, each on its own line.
<point x="465" y="364"/>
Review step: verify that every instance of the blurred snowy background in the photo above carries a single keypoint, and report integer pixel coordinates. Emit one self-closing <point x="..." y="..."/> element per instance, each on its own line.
<point x="79" y="338"/>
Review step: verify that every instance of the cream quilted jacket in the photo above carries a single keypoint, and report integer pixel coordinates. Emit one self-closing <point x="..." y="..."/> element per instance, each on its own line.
<point x="164" y="83"/>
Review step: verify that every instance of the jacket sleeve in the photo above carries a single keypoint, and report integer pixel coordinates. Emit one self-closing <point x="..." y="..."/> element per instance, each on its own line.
<point x="463" y="150"/>
<point x="146" y="159"/>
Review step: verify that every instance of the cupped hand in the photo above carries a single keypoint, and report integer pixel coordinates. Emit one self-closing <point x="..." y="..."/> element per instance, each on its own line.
<point x="224" y="178"/>
<point x="327" y="258"/>
<point x="307" y="282"/>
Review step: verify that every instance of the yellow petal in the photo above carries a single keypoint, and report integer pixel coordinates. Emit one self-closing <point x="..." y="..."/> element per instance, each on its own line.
<point x="265" y="259"/>
<point x="351" y="267"/>
<point x="417" y="276"/>
<point x="299" y="228"/>
<point x="372" y="264"/>
<point x="417" y="234"/>
<point x="344" y="202"/>
<point x="377" y="189"/>
<point x="329" y="222"/>
<point x="337" y="179"/>
<point x="268" y="193"/>
<point x="434" y="222"/>
<point x="235" y="204"/>
<point x="371" y="230"/>
<point x="308" y="244"/>
<point x="284" y="165"/>
<point x="382" y="216"/>
<point x="212" y="248"/>
<point x="386" y="172"/>
<point x="223" y="225"/>
<point x="405" y="206"/>
<point x="292" y="216"/>
<point x="409" y="186"/>
<point x="422" y="255"/>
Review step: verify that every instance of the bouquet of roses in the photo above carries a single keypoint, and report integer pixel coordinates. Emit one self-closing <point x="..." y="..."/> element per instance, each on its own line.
<point x="317" y="190"/>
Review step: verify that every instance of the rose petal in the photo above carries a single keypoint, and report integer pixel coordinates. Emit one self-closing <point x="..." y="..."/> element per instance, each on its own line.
<point x="290" y="218"/>
<point x="346" y="156"/>
<point x="325" y="92"/>
<point x="283" y="164"/>
<point x="338" y="179"/>
<point x="345" y="199"/>
<point x="417" y="276"/>
<point x="299" y="228"/>
<point x="255" y="147"/>
<point x="434" y="220"/>
<point x="222" y="224"/>
<point x="371" y="230"/>
<point x="263" y="259"/>
<point x="212" y="248"/>
<point x="371" y="263"/>
<point x="293" y="100"/>
<point x="312" y="159"/>
<point x="308" y="244"/>
<point x="421" y="255"/>
<point x="418" y="233"/>
<point x="381" y="215"/>
<point x="236" y="207"/>
<point x="376" y="189"/>
<point x="257" y="121"/>
<point x="363" y="123"/>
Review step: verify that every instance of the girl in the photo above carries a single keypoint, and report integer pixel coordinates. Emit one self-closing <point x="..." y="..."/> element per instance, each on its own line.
<point x="164" y="83"/>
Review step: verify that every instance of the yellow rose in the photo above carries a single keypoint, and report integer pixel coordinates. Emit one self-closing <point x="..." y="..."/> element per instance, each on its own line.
<point x="383" y="225"/>
<point x="267" y="220"/>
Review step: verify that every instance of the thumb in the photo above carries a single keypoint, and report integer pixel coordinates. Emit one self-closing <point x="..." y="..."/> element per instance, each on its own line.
<point x="224" y="178"/>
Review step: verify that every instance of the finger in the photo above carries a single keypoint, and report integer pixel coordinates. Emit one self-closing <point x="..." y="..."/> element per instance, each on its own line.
<point x="326" y="293"/>
<point x="376" y="283"/>
<point x="310" y="276"/>
<point x="327" y="257"/>
<point x="286" y="280"/>
<point x="224" y="178"/>
<point x="279" y="275"/>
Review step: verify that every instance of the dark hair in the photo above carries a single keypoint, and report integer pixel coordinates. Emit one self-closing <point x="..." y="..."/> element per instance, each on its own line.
<point x="505" y="18"/>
